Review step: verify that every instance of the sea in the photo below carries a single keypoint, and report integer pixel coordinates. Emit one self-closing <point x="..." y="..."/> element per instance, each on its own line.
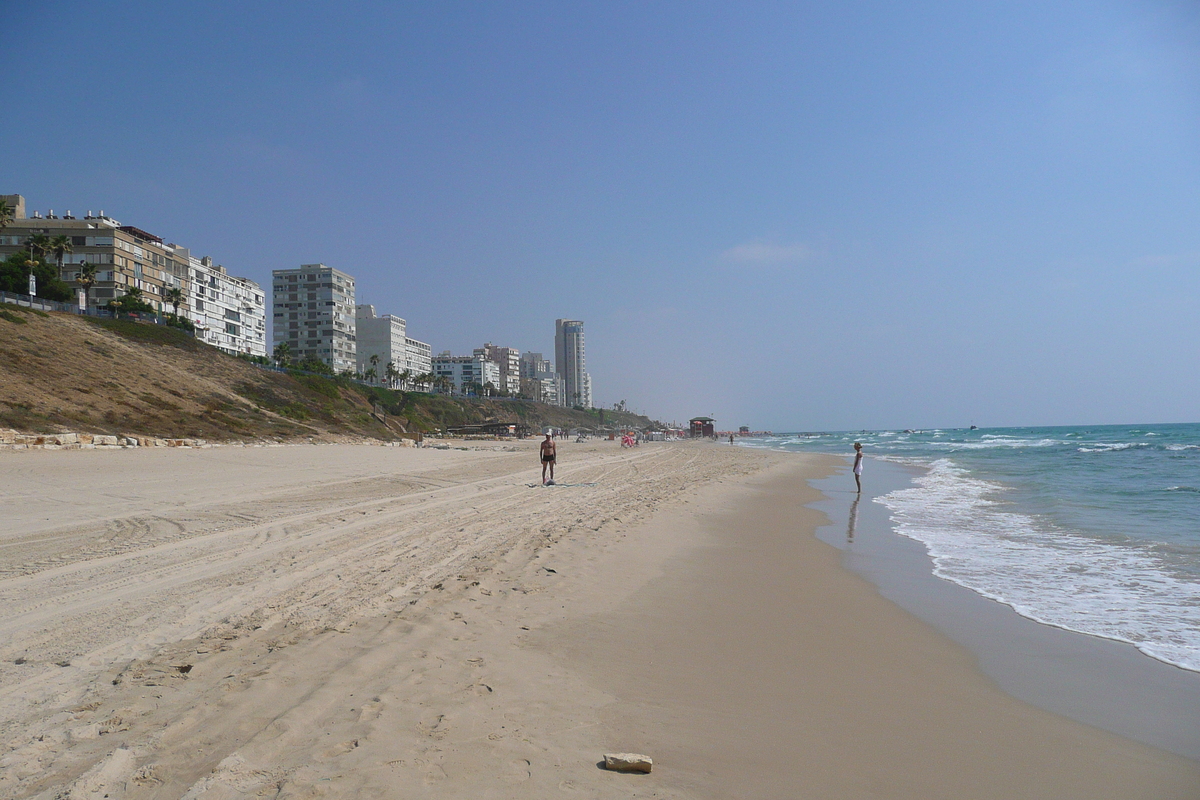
<point x="1091" y="528"/>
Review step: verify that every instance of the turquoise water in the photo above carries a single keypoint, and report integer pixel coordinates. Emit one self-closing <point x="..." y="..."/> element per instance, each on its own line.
<point x="1091" y="528"/>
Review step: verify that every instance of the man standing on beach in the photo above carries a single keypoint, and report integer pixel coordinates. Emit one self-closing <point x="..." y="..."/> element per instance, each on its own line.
<point x="858" y="459"/>
<point x="549" y="455"/>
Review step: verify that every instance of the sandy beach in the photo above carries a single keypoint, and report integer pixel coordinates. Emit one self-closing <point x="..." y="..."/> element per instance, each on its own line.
<point x="356" y="621"/>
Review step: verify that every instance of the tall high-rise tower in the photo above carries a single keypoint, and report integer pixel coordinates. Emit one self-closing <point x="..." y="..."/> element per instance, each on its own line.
<point x="571" y="362"/>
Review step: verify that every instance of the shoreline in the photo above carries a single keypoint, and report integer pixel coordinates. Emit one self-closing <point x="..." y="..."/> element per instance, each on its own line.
<point x="1091" y="679"/>
<point x="761" y="667"/>
<point x="354" y="621"/>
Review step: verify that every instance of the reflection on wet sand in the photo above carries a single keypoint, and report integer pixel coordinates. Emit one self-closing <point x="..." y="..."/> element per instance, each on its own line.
<point x="850" y="527"/>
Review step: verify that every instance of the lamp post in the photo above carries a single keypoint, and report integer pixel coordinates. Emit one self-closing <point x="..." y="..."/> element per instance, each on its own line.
<point x="32" y="278"/>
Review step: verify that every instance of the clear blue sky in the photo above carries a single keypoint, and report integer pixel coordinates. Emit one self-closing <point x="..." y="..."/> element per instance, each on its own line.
<point x="785" y="215"/>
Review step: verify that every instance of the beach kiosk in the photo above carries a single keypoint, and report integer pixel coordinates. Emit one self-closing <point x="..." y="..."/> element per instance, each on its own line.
<point x="701" y="426"/>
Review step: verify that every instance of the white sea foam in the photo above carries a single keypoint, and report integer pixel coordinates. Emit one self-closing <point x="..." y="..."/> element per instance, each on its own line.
<point x="1117" y="590"/>
<point x="998" y="442"/>
<point x="1101" y="447"/>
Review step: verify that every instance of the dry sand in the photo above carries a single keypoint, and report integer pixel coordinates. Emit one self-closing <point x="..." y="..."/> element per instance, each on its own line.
<point x="353" y="621"/>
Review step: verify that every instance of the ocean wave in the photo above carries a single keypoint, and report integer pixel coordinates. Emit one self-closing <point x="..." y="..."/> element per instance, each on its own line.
<point x="1183" y="447"/>
<point x="1100" y="447"/>
<point x="1118" y="590"/>
<point x="992" y="444"/>
<point x="1182" y="489"/>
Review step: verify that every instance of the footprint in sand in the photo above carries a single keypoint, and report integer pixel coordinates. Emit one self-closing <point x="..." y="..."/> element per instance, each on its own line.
<point x="371" y="710"/>
<point x="518" y="771"/>
<point x="434" y="725"/>
<point x="340" y="749"/>
<point x="435" y="774"/>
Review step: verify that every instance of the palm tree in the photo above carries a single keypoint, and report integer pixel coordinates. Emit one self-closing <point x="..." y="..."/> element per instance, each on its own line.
<point x="174" y="296"/>
<point x="86" y="280"/>
<point x="60" y="246"/>
<point x="404" y="376"/>
<point x="6" y="214"/>
<point x="282" y="354"/>
<point x="370" y="375"/>
<point x="374" y="359"/>
<point x="389" y="375"/>
<point x="132" y="301"/>
<point x="38" y="243"/>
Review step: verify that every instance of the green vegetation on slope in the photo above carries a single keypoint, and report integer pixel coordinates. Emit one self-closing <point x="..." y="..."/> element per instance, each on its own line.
<point x="64" y="372"/>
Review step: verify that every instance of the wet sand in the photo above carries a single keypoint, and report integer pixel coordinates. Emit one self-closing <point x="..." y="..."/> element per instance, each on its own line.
<point x="1098" y="681"/>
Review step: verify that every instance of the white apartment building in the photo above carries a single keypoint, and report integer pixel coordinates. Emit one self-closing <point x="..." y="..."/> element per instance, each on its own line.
<point x="313" y="313"/>
<point x="509" y="361"/>
<point x="229" y="313"/>
<point x="571" y="358"/>
<point x="539" y="381"/>
<point x="382" y="338"/>
<point x="467" y="371"/>
<point x="387" y="337"/>
<point x="418" y="357"/>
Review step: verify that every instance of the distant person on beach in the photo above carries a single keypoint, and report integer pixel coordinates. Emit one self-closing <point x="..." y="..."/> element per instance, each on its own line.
<point x="858" y="459"/>
<point x="549" y="455"/>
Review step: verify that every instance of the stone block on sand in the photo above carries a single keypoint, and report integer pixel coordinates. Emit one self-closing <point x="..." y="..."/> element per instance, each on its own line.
<point x="628" y="762"/>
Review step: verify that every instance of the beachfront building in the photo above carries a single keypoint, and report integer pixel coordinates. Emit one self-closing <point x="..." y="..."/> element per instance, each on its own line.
<point x="383" y="339"/>
<point x="539" y="381"/>
<point x="126" y="257"/>
<point x="509" y="361"/>
<point x="571" y="359"/>
<point x="418" y="357"/>
<point x="701" y="427"/>
<point x="229" y="312"/>
<point x="387" y="339"/>
<point x="313" y="313"/>
<point x="467" y="374"/>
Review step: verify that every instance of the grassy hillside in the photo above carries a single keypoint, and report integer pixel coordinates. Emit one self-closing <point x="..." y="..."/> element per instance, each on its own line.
<point x="60" y="372"/>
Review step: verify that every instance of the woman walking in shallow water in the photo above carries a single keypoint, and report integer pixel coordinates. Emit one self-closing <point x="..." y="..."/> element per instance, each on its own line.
<point x="858" y="459"/>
